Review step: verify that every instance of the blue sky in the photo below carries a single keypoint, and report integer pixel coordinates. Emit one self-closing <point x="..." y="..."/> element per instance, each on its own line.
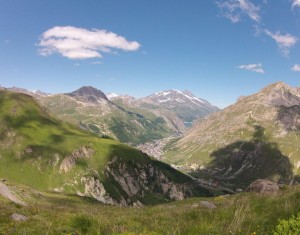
<point x="217" y="49"/>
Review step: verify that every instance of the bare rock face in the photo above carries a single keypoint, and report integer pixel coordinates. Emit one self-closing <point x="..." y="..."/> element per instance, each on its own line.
<point x="263" y="186"/>
<point x="140" y="178"/>
<point x="95" y="189"/>
<point x="133" y="182"/>
<point x="70" y="161"/>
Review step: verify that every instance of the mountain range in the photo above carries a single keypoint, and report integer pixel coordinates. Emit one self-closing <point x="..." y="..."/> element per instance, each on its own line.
<point x="125" y="118"/>
<point x="257" y="137"/>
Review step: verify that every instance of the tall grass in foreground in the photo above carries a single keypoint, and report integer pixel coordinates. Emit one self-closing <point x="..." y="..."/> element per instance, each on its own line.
<point x="246" y="213"/>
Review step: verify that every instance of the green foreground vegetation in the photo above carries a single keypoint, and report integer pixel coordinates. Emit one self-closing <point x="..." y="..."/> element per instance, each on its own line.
<point x="244" y="213"/>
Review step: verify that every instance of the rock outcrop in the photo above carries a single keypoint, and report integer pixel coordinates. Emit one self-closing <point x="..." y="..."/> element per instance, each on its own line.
<point x="18" y="217"/>
<point x="263" y="186"/>
<point x="139" y="179"/>
<point x="70" y="161"/>
<point x="9" y="194"/>
<point x="95" y="189"/>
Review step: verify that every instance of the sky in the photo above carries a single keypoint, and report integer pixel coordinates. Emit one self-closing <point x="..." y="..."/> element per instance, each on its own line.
<point x="217" y="49"/>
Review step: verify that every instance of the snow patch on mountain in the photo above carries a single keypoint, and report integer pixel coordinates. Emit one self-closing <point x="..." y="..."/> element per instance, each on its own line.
<point x="111" y="95"/>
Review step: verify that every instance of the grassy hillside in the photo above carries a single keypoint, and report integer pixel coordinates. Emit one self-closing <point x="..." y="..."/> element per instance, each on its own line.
<point x="48" y="154"/>
<point x="245" y="213"/>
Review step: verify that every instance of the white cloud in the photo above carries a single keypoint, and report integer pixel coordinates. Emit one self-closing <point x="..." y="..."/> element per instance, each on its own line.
<point x="284" y="41"/>
<point x="252" y="67"/>
<point x="80" y="43"/>
<point x="295" y="3"/>
<point x="234" y="9"/>
<point x="296" y="68"/>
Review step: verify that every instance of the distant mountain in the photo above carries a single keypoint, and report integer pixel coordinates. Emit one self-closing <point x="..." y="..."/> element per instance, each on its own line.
<point x="257" y="137"/>
<point x="184" y="104"/>
<point x="47" y="154"/>
<point x="123" y="117"/>
<point x="90" y="108"/>
<point x="88" y="94"/>
<point x="34" y="93"/>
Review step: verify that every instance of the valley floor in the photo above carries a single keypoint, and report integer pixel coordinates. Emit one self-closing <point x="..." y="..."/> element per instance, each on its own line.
<point x="51" y="213"/>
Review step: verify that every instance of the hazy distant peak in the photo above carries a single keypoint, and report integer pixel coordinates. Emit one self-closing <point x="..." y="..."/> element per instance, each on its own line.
<point x="89" y="94"/>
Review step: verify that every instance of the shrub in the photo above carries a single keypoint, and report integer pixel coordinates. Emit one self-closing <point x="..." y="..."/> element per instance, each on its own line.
<point x="288" y="227"/>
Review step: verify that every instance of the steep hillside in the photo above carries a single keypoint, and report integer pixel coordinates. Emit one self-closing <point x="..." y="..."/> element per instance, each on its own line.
<point x="91" y="110"/>
<point x="258" y="137"/>
<point x="184" y="104"/>
<point x="47" y="154"/>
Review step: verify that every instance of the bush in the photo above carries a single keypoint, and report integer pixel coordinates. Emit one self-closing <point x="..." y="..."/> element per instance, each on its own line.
<point x="288" y="227"/>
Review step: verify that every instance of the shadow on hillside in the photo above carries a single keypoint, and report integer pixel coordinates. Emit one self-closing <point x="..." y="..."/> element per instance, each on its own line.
<point x="242" y="162"/>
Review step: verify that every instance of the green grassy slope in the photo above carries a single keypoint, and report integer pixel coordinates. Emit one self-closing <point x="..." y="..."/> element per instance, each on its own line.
<point x="245" y="213"/>
<point x="34" y="146"/>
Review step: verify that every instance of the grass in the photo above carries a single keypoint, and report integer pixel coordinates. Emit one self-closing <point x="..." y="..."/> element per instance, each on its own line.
<point x="245" y="213"/>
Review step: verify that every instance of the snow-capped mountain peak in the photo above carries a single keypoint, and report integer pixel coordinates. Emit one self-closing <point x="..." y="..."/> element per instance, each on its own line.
<point x="184" y="103"/>
<point x="174" y="95"/>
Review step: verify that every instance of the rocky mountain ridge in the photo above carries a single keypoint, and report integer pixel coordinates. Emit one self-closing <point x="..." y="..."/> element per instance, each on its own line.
<point x="125" y="118"/>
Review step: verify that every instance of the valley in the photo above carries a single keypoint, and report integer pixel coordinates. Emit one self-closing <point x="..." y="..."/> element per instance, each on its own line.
<point x="47" y="154"/>
<point x="231" y="146"/>
<point x="129" y="120"/>
<point x="149" y="117"/>
<point x="56" y="165"/>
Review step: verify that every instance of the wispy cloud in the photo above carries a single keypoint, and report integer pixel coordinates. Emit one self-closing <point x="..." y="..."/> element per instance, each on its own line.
<point x="80" y="43"/>
<point x="284" y="41"/>
<point x="97" y="62"/>
<point x="258" y="68"/>
<point x="295" y="3"/>
<point x="234" y="9"/>
<point x="296" y="68"/>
